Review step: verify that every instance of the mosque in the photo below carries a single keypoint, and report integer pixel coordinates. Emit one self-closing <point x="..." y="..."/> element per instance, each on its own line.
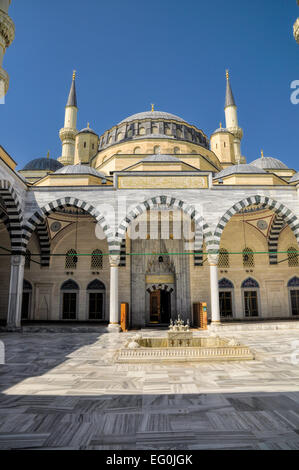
<point x="153" y="213"/>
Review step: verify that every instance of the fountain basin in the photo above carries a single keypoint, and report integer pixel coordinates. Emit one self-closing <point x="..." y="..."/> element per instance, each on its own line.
<point x="198" y="350"/>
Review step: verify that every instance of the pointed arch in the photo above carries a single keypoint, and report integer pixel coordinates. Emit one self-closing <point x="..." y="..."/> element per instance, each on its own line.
<point x="39" y="216"/>
<point x="14" y="215"/>
<point x="153" y="203"/>
<point x="280" y="209"/>
<point x="165" y="287"/>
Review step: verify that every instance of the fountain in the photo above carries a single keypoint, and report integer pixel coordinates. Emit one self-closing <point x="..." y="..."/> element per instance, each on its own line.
<point x="180" y="344"/>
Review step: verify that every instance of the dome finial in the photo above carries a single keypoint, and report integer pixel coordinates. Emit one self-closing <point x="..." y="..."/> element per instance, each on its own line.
<point x="220" y="124"/>
<point x="262" y="153"/>
<point x="88" y="125"/>
<point x="48" y="154"/>
<point x="227" y="74"/>
<point x="74" y="74"/>
<point x="153" y="107"/>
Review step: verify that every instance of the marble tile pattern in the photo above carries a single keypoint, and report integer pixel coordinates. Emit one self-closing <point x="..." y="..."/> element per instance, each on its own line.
<point x="64" y="391"/>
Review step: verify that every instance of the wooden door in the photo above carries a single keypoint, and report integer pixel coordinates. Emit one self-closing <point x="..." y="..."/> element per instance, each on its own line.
<point x="155" y="307"/>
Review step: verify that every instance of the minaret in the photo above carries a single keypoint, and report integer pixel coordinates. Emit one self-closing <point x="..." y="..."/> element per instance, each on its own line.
<point x="7" y="35"/>
<point x="68" y="133"/>
<point x="231" y="118"/>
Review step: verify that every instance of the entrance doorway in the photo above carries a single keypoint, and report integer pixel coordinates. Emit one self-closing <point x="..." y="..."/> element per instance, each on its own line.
<point x="160" y="307"/>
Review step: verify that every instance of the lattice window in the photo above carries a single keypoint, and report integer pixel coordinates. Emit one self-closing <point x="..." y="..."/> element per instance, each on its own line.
<point x="27" y="259"/>
<point x="223" y="258"/>
<point x="97" y="260"/>
<point x="248" y="258"/>
<point x="71" y="259"/>
<point x="293" y="257"/>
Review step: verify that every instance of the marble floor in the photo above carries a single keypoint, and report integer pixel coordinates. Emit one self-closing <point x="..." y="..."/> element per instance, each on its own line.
<point x="64" y="391"/>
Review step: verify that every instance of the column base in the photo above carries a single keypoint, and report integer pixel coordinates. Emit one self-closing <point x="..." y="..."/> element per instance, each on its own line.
<point x="114" y="328"/>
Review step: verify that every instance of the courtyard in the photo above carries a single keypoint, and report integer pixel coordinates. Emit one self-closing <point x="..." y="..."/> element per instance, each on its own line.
<point x="63" y="390"/>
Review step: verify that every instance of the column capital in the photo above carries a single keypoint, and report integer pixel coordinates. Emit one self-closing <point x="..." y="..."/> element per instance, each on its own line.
<point x="114" y="261"/>
<point x="17" y="260"/>
<point x="213" y="259"/>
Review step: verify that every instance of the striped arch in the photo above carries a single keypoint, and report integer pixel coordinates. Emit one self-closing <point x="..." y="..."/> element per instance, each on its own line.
<point x="44" y="244"/>
<point x="15" y="219"/>
<point x="165" y="287"/>
<point x="152" y="203"/>
<point x="276" y="227"/>
<point x="280" y="209"/>
<point x="38" y="218"/>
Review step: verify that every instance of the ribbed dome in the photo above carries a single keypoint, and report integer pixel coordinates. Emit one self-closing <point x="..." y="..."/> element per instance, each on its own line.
<point x="295" y="177"/>
<point x="45" y="164"/>
<point x="160" y="158"/>
<point x="239" y="169"/>
<point x="79" y="170"/>
<point x="152" y="115"/>
<point x="269" y="163"/>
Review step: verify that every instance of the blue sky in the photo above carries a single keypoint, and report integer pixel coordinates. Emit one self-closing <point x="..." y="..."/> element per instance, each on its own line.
<point x="131" y="53"/>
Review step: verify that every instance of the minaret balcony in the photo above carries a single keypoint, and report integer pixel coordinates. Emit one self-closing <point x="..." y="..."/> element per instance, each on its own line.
<point x="67" y="133"/>
<point x="4" y="82"/>
<point x="296" y="30"/>
<point x="7" y="28"/>
<point x="236" y="131"/>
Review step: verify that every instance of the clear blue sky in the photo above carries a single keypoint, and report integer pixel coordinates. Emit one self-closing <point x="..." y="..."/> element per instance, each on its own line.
<point x="130" y="53"/>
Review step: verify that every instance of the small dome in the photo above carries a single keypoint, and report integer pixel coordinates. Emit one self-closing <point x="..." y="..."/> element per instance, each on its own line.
<point x="160" y="158"/>
<point x="152" y="115"/>
<point x="87" y="130"/>
<point x="269" y="163"/>
<point x="44" y="164"/>
<point x="221" y="129"/>
<point x="294" y="178"/>
<point x="79" y="170"/>
<point x="239" y="169"/>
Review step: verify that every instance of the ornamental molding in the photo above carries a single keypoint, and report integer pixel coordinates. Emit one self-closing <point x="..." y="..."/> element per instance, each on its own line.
<point x="7" y="28"/>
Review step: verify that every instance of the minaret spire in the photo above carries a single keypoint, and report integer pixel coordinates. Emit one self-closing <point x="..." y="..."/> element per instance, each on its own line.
<point x="72" y="99"/>
<point x="68" y="133"/>
<point x="229" y="97"/>
<point x="231" y="118"/>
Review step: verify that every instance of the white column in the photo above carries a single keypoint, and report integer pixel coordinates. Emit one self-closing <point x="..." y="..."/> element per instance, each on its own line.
<point x="15" y="291"/>
<point x="215" y="310"/>
<point x="114" y="304"/>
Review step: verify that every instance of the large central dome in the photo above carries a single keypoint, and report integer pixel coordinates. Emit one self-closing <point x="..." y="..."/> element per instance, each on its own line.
<point x="152" y="115"/>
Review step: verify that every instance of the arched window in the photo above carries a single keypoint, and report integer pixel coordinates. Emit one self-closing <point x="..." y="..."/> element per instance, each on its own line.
<point x="96" y="260"/>
<point x="248" y="258"/>
<point x="130" y="133"/>
<point x="155" y="130"/>
<point x="71" y="259"/>
<point x="293" y="257"/>
<point x="176" y="150"/>
<point x="223" y="258"/>
<point x="179" y="133"/>
<point x="69" y="292"/>
<point x="250" y="288"/>
<point x="96" y="299"/>
<point x="26" y="300"/>
<point x="167" y="130"/>
<point x="293" y="286"/>
<point x="137" y="150"/>
<point x="27" y="259"/>
<point x="119" y="136"/>
<point x="157" y="149"/>
<point x="142" y="131"/>
<point x="226" y="289"/>
<point x="84" y="145"/>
